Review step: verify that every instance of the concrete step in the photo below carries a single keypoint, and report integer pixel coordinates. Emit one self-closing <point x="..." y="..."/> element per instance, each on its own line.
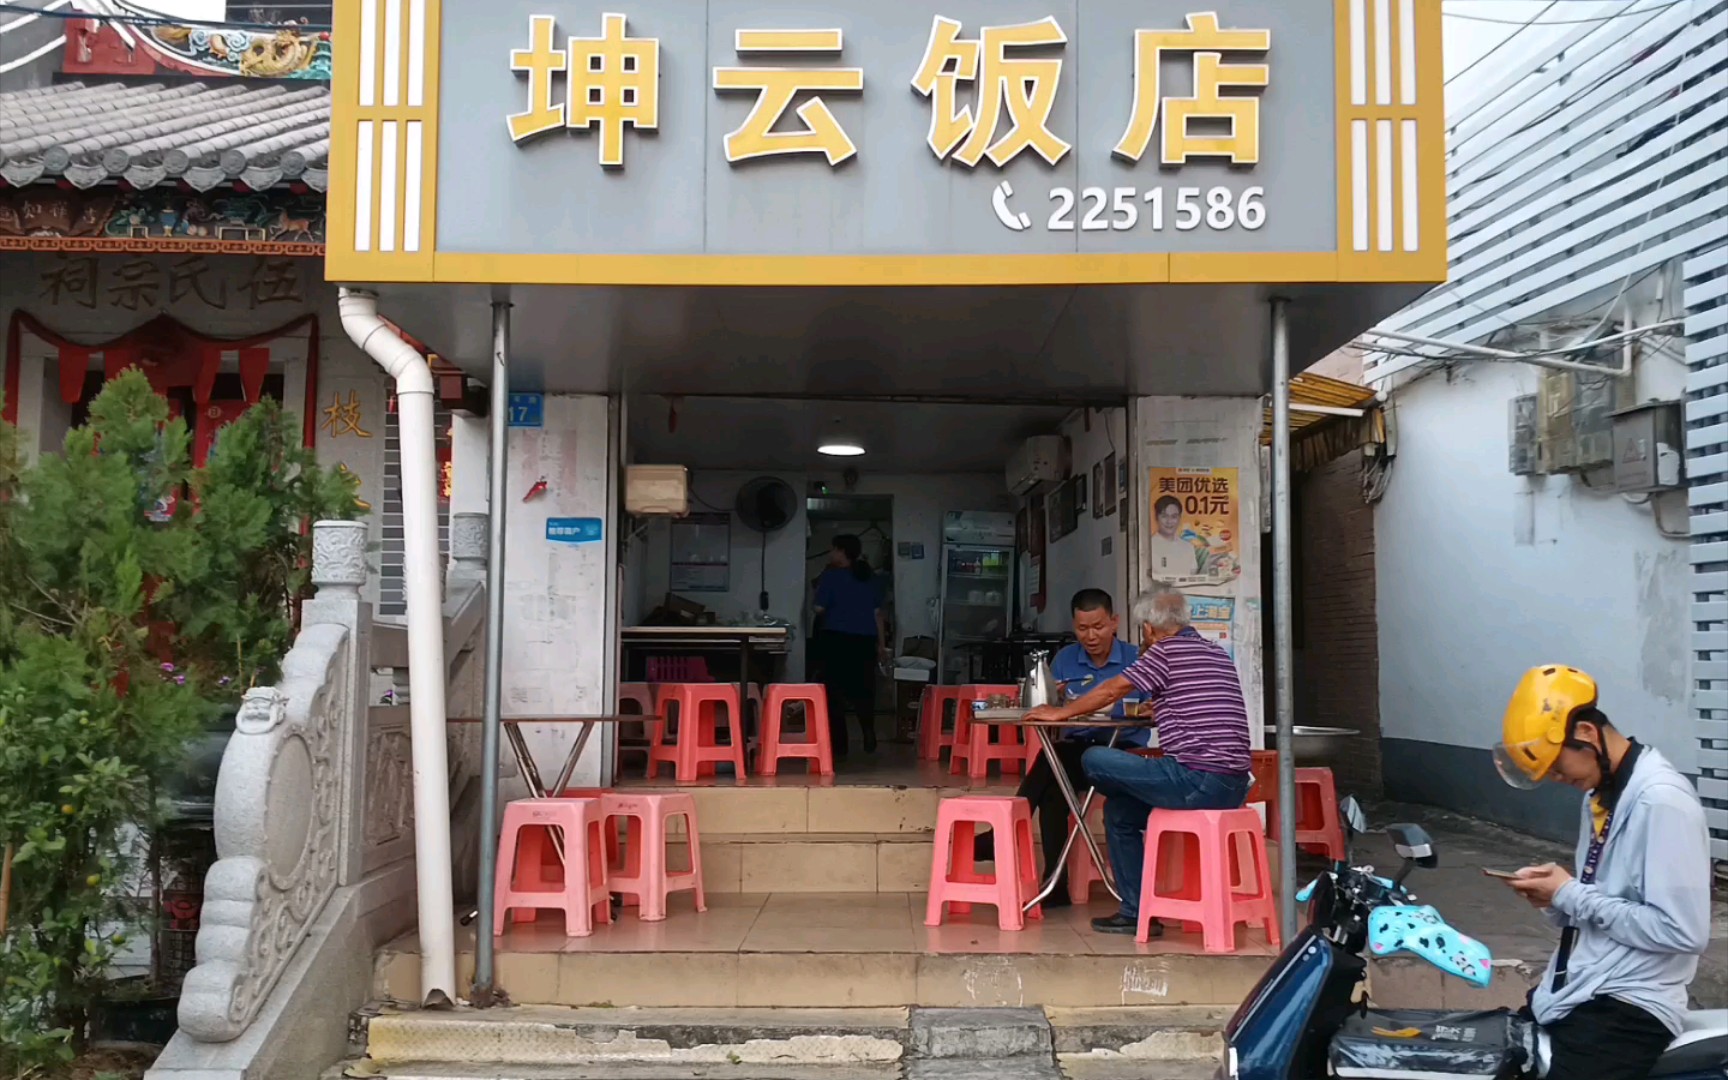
<point x="544" y="1043"/>
<point x="1175" y="1033"/>
<point x="622" y="1070"/>
<point x="797" y="808"/>
<point x="836" y="978"/>
<point x="545" y="1035"/>
<point x="891" y="862"/>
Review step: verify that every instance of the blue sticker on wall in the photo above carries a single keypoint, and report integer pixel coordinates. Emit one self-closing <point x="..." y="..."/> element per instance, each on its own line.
<point x="563" y="530"/>
<point x="527" y="410"/>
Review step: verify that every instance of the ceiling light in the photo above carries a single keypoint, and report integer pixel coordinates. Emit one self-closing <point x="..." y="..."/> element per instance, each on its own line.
<point x="840" y="449"/>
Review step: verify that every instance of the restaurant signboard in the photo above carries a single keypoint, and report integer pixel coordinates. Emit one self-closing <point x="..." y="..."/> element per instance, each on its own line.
<point x="857" y="142"/>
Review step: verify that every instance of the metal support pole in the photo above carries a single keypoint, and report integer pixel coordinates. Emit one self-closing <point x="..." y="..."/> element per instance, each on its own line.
<point x="498" y="415"/>
<point x="1284" y="700"/>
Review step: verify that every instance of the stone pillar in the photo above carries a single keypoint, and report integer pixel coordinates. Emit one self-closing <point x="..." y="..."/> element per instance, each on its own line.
<point x="339" y="573"/>
<point x="468" y="547"/>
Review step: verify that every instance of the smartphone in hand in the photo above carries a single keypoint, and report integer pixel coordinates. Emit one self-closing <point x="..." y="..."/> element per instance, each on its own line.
<point x="1503" y="875"/>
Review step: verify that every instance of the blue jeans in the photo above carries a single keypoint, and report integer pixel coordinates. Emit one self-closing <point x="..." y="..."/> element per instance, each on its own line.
<point x="1135" y="786"/>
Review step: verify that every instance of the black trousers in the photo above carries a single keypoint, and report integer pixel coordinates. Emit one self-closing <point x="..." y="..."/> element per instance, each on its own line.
<point x="1606" y="1039"/>
<point x="849" y="673"/>
<point x="1039" y="788"/>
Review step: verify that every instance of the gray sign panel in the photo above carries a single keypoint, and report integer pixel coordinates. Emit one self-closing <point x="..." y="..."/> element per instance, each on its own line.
<point x="889" y="193"/>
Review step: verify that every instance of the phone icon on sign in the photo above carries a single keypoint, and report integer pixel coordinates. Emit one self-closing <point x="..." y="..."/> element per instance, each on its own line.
<point x="999" y="199"/>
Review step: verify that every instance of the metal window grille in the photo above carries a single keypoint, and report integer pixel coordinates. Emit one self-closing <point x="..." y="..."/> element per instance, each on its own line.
<point x="392" y="588"/>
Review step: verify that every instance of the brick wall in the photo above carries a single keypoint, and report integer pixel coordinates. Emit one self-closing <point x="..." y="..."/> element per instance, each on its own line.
<point x="1337" y="655"/>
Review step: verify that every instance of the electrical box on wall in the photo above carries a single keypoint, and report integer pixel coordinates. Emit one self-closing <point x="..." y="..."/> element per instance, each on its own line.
<point x="1040" y="460"/>
<point x="1575" y="419"/>
<point x="1523" y="440"/>
<point x="657" y="490"/>
<point x="1649" y="446"/>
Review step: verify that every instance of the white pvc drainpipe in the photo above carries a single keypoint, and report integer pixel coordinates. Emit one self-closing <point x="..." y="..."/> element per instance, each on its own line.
<point x="423" y="578"/>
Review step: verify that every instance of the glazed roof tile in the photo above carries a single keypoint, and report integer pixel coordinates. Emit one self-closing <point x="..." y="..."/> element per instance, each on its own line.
<point x="205" y="134"/>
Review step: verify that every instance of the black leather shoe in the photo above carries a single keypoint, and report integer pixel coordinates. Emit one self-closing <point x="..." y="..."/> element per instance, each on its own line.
<point x="1122" y="924"/>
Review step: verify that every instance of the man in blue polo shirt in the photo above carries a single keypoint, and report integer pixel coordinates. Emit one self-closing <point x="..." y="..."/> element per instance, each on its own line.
<point x="1096" y="657"/>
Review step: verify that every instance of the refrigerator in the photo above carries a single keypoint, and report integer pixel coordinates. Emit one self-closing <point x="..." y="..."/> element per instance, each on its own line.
<point x="977" y="590"/>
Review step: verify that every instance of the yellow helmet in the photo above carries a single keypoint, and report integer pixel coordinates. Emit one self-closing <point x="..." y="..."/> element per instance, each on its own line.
<point x="1539" y="721"/>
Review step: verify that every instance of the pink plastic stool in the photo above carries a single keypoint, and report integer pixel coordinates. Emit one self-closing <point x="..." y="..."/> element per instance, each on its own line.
<point x="955" y="882"/>
<point x="698" y="748"/>
<point x="966" y="732"/>
<point x="933" y="734"/>
<point x="532" y="878"/>
<point x="643" y="871"/>
<point x="1218" y="851"/>
<point x="817" y="748"/>
<point x="1082" y="875"/>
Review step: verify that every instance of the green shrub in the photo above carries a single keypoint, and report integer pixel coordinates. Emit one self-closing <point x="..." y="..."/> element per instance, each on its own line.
<point x="141" y="597"/>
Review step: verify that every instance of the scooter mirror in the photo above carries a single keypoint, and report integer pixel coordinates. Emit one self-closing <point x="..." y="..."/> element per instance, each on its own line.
<point x="1355" y="821"/>
<point x="1412" y="844"/>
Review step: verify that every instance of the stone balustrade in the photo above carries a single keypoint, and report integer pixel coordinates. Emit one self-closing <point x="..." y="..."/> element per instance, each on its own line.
<point x="314" y="814"/>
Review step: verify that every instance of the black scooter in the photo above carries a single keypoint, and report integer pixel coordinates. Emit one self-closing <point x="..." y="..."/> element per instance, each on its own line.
<point x="1309" y="1017"/>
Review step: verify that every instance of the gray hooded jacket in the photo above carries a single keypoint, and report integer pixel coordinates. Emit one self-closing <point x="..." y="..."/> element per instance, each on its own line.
<point x="1646" y="920"/>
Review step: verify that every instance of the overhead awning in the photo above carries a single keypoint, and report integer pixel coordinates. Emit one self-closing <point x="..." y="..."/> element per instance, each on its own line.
<point x="1328" y="418"/>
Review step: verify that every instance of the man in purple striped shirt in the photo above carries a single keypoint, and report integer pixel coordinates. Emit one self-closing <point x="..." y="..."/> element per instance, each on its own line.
<point x="1202" y="728"/>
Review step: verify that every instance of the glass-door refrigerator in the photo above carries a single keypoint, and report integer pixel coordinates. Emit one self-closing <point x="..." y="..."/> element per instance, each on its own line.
<point x="977" y="587"/>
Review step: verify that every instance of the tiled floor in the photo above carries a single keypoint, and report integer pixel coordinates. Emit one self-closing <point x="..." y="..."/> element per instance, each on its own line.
<point x="843" y="923"/>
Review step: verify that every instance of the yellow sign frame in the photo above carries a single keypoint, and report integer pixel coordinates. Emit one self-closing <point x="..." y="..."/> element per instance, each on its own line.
<point x="1384" y="132"/>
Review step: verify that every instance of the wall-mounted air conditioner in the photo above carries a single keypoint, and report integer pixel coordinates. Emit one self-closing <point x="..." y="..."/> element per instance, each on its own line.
<point x="1040" y="460"/>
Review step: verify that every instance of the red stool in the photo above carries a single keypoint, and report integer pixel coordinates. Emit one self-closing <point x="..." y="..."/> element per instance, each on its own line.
<point x="1319" y="829"/>
<point x="964" y="740"/>
<point x="1264" y="769"/>
<point x="531" y="877"/>
<point x="818" y="747"/>
<point x="643" y="871"/>
<point x="1082" y="875"/>
<point x="955" y="882"/>
<point x="933" y="734"/>
<point x="1223" y="879"/>
<point x="698" y="748"/>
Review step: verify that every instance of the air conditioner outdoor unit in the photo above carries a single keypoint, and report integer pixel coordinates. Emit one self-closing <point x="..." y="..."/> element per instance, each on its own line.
<point x="1042" y="459"/>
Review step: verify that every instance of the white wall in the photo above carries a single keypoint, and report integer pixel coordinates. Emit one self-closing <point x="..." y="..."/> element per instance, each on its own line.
<point x="717" y="492"/>
<point x="1079" y="560"/>
<point x="1218" y="433"/>
<point x="1483" y="574"/>
<point x="556" y="652"/>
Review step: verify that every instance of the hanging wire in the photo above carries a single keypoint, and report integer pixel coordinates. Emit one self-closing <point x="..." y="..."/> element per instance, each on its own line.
<point x="1567" y="22"/>
<point x="156" y="20"/>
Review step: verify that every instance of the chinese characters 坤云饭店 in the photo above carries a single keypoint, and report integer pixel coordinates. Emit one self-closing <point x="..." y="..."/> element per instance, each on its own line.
<point x="613" y="80"/>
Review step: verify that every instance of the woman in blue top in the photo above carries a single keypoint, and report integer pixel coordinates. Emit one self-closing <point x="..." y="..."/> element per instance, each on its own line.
<point x="854" y="636"/>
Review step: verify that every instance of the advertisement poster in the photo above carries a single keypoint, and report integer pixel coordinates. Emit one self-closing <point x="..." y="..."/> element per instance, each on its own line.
<point x="1195" y="538"/>
<point x="1212" y="617"/>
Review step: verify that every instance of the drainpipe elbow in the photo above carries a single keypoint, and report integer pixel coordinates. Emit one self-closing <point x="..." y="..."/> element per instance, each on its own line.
<point x="374" y="337"/>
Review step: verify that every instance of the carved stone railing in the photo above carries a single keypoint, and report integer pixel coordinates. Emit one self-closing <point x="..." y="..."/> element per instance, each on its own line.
<point x="284" y="799"/>
<point x="316" y="790"/>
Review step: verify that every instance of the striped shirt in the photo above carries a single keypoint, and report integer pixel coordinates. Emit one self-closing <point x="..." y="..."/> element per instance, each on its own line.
<point x="1202" y="720"/>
